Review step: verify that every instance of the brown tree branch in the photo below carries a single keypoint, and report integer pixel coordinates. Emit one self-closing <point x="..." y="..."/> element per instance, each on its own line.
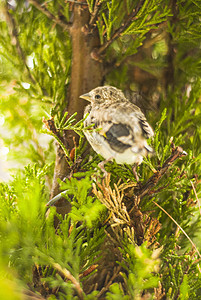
<point x="46" y="12"/>
<point x="153" y="180"/>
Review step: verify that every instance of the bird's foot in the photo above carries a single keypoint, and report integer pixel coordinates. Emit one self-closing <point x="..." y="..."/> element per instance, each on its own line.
<point x="102" y="164"/>
<point x="135" y="172"/>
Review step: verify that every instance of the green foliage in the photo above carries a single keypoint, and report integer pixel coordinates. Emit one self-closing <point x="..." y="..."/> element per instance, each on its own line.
<point x="150" y="14"/>
<point x="38" y="82"/>
<point x="22" y="120"/>
<point x="142" y="266"/>
<point x="153" y="39"/>
<point x="114" y="16"/>
<point x="83" y="207"/>
<point x="28" y="238"/>
<point x="184" y="289"/>
<point x="185" y="276"/>
<point x="65" y="124"/>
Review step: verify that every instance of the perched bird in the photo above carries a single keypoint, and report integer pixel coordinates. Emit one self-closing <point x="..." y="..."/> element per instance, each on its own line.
<point x="122" y="129"/>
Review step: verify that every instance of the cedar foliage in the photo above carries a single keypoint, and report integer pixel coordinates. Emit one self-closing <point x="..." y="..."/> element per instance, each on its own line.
<point x="120" y="239"/>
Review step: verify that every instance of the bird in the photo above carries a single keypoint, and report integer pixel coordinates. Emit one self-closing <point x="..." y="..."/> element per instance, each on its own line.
<point x="120" y="128"/>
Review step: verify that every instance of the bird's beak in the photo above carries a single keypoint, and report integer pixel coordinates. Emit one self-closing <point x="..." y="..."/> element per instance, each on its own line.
<point x="86" y="97"/>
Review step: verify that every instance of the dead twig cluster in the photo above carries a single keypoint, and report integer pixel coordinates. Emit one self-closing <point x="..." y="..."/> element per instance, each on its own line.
<point x="113" y="200"/>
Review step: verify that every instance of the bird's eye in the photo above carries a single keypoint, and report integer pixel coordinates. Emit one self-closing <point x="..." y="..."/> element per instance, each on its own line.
<point x="97" y="96"/>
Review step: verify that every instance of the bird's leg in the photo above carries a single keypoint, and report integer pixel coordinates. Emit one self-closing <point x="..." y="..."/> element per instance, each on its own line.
<point x="102" y="164"/>
<point x="135" y="172"/>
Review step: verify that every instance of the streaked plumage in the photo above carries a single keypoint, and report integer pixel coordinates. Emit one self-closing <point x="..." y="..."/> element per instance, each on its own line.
<point x="123" y="129"/>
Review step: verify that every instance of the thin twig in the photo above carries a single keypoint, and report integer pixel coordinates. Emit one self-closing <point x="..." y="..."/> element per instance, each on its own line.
<point x="77" y="2"/>
<point x="95" y="12"/>
<point x="196" y="196"/>
<point x="15" y="40"/>
<point x="178" y="227"/>
<point x="46" y="12"/>
<point x="68" y="275"/>
<point x="153" y="180"/>
<point x="121" y="29"/>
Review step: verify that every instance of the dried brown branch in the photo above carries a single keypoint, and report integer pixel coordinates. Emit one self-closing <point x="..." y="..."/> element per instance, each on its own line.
<point x="88" y="271"/>
<point x="153" y="180"/>
<point x="64" y="272"/>
<point x="52" y="130"/>
<point x="113" y="200"/>
<point x="153" y="228"/>
<point x="121" y="29"/>
<point x="159" y="292"/>
<point x="15" y="40"/>
<point x="46" y="12"/>
<point x="50" y="125"/>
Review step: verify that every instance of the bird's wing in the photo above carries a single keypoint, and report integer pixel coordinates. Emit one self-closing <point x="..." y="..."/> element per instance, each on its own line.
<point x="122" y="125"/>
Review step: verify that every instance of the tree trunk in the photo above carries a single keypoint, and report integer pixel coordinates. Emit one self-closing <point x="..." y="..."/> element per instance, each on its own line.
<point x="86" y="74"/>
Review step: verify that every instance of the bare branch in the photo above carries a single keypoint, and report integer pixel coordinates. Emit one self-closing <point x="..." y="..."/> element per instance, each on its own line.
<point x="46" y="12"/>
<point x="64" y="272"/>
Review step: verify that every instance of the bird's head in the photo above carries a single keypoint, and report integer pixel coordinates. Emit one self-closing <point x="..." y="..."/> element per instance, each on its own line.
<point x="104" y="93"/>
